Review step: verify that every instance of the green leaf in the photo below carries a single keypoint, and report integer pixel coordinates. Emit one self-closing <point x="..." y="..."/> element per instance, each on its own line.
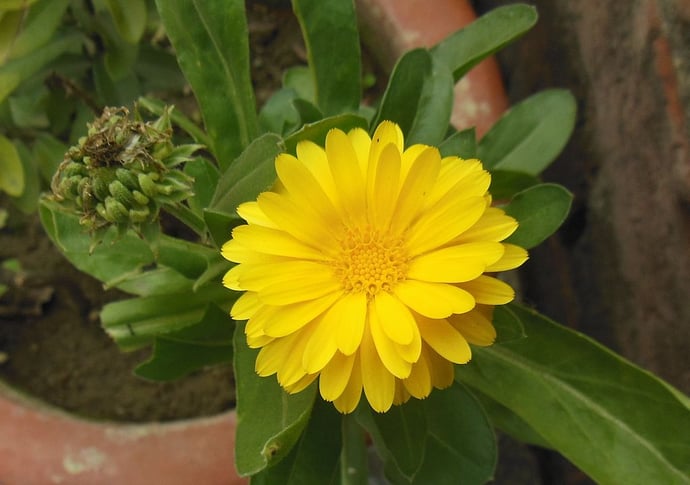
<point x="210" y="39"/>
<point x="455" y="434"/>
<point x="27" y="202"/>
<point x="317" y="132"/>
<point x="401" y="99"/>
<point x="509" y="422"/>
<point x="206" y="177"/>
<point x="21" y="34"/>
<point x="464" y="49"/>
<point x="314" y="460"/>
<point x="48" y="152"/>
<point x="279" y="114"/>
<point x="419" y="98"/>
<point x="461" y="144"/>
<point x="615" y="421"/>
<point x="176" y="354"/>
<point x="11" y="169"/>
<point x="14" y="72"/>
<point x="220" y="224"/>
<point x="252" y="173"/>
<point x="127" y="262"/>
<point x="269" y="421"/>
<point x="129" y="17"/>
<point x="300" y="79"/>
<point x="329" y="28"/>
<point x="530" y="135"/>
<point x="435" y="107"/>
<point x="540" y="210"/>
<point x="508" y="326"/>
<point x="135" y="322"/>
<point x="506" y="183"/>
<point x="15" y="4"/>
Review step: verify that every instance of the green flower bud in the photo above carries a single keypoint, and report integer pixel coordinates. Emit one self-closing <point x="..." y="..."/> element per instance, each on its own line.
<point x="140" y="198"/>
<point x="116" y="211"/>
<point x="123" y="172"/>
<point x="121" y="193"/>
<point x="148" y="185"/>
<point x="128" y="178"/>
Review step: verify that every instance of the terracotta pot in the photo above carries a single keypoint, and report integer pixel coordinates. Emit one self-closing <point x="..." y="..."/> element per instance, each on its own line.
<point x="480" y="97"/>
<point x="43" y="445"/>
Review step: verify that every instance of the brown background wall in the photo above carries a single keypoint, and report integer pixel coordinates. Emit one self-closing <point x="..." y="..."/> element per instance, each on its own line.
<point x="620" y="268"/>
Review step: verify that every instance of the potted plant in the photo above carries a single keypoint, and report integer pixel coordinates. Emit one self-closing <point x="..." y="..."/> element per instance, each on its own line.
<point x="355" y="246"/>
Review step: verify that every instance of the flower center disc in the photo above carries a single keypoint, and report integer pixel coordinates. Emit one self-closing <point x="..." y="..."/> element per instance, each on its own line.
<point x="370" y="261"/>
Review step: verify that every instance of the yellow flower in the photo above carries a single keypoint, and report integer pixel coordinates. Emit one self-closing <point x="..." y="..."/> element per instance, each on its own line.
<point x="364" y="267"/>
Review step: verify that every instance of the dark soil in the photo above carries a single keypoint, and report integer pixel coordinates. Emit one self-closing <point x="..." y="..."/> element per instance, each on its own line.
<point x="51" y="342"/>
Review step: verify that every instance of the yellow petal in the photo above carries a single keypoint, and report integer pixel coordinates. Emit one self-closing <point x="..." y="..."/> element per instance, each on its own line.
<point x="361" y="143"/>
<point x="386" y="133"/>
<point x="401" y="394"/>
<point x="383" y="189"/>
<point x="273" y="356"/>
<point x="409" y="156"/>
<point x="258" y="277"/>
<point x="442" y="370"/>
<point x="387" y="350"/>
<point x="301" y="223"/>
<point x="418" y="384"/>
<point x="419" y="180"/>
<point x="336" y="375"/>
<point x="456" y="263"/>
<point x="494" y="225"/>
<point x="513" y="257"/>
<point x="378" y="383"/>
<point x="245" y="306"/>
<point x="270" y="241"/>
<point x="434" y="300"/>
<point x="396" y="320"/>
<point x="304" y="189"/>
<point x="290" y="318"/>
<point x="453" y="170"/>
<point x="445" y="340"/>
<point x="475" y="327"/>
<point x="252" y="213"/>
<point x="489" y="291"/>
<point x="314" y="158"/>
<point x="348" y="400"/>
<point x="352" y="313"/>
<point x="231" y="278"/>
<point x="291" y="370"/>
<point x="346" y="172"/>
<point x="320" y="348"/>
<point x="302" y="384"/>
<point x="444" y="221"/>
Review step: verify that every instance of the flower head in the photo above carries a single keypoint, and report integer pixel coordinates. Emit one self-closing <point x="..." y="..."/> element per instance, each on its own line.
<point x="122" y="171"/>
<point x="365" y="268"/>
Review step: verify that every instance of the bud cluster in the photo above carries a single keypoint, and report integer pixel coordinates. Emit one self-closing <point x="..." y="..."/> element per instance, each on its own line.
<point x="123" y="171"/>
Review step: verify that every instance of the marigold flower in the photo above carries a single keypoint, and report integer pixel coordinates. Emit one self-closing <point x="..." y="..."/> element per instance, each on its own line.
<point x="365" y="268"/>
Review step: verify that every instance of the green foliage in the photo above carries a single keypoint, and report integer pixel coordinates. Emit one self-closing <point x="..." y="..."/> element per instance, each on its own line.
<point x="540" y="210"/>
<point x="264" y="438"/>
<point x="587" y="402"/>
<point x="426" y="441"/>
<point x="462" y="50"/>
<point x="531" y="134"/>
<point x="541" y="383"/>
<point x="210" y="39"/>
<point x="330" y="33"/>
<point x="176" y="354"/>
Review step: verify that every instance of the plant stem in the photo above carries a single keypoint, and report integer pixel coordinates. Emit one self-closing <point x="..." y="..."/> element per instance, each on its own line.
<point x="184" y="214"/>
<point x="353" y="457"/>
